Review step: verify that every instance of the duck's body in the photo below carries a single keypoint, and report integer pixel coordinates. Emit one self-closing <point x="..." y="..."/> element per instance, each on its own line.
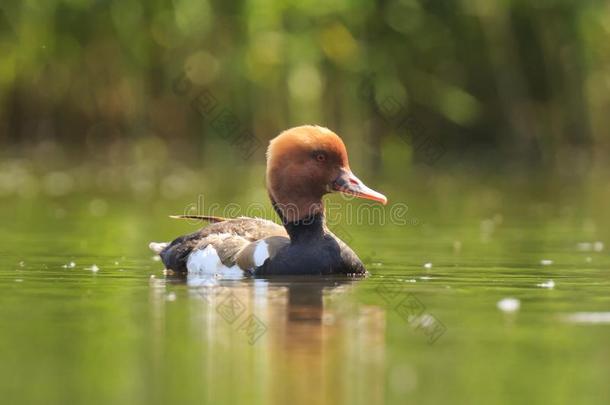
<point x="243" y="245"/>
<point x="303" y="245"/>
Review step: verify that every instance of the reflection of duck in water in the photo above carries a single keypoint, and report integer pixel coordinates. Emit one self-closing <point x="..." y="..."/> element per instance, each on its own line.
<point x="303" y="164"/>
<point x="285" y="335"/>
<point x="322" y="337"/>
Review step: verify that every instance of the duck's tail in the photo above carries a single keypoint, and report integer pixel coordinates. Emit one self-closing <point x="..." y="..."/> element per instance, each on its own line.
<point x="208" y="218"/>
<point x="157" y="247"/>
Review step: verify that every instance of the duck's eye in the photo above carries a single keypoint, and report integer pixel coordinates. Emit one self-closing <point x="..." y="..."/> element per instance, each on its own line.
<point x="320" y="157"/>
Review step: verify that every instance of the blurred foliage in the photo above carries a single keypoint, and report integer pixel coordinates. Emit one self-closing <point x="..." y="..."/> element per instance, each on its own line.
<point x="508" y="80"/>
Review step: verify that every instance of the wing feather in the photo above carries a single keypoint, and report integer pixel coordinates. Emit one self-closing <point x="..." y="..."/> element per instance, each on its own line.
<point x="229" y="238"/>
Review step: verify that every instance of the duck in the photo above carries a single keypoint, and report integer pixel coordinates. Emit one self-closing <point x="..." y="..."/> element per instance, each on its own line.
<point x="304" y="163"/>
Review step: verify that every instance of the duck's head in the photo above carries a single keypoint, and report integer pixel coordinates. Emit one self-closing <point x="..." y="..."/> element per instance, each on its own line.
<point x="303" y="164"/>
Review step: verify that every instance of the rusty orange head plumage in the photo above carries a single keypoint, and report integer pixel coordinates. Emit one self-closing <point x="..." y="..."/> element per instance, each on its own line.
<point x="306" y="162"/>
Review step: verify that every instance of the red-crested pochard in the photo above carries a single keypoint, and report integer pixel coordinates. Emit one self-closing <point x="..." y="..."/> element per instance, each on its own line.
<point x="303" y="164"/>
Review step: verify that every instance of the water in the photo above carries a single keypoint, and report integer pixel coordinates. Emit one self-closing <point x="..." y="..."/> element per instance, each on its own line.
<point x="88" y="316"/>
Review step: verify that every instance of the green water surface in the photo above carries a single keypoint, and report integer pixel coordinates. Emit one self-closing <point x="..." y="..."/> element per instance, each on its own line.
<point x="88" y="317"/>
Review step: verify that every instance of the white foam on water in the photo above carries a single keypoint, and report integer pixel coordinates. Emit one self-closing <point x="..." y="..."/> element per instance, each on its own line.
<point x="509" y="305"/>
<point x="546" y="262"/>
<point x="591" y="318"/>
<point x="93" y="268"/>
<point x="547" y="284"/>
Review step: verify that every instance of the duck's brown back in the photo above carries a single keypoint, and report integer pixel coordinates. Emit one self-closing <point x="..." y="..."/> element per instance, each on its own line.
<point x="230" y="242"/>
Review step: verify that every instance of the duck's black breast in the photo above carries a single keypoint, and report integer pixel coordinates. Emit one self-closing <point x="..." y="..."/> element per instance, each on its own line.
<point x="324" y="255"/>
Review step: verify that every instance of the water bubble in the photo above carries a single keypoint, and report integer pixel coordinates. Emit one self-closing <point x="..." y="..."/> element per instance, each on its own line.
<point x="93" y="268"/>
<point x="589" y="317"/>
<point x="509" y="305"/>
<point x="546" y="262"/>
<point x="428" y="266"/>
<point x="171" y="297"/>
<point x="547" y="284"/>
<point x="70" y="265"/>
<point x="596" y="246"/>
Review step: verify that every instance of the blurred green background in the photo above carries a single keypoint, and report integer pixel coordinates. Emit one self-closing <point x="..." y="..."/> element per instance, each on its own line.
<point x="508" y="83"/>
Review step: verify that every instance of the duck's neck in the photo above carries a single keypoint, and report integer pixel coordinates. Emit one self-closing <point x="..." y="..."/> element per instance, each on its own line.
<point x="306" y="229"/>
